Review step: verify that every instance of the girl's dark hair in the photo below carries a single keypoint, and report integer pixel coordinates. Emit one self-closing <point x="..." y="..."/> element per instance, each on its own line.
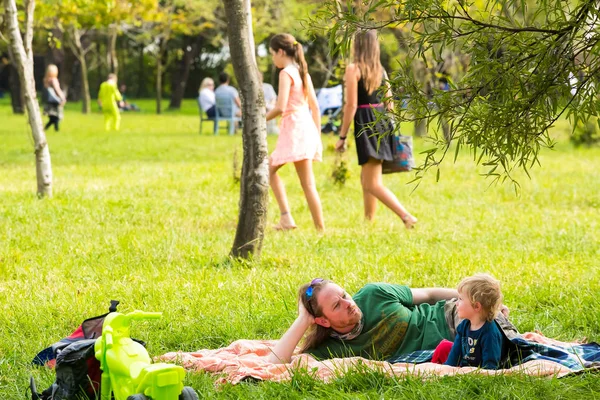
<point x="316" y="334"/>
<point x="292" y="48"/>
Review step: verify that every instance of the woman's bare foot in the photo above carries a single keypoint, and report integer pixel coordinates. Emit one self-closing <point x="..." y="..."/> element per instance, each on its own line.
<point x="286" y="222"/>
<point x="409" y="221"/>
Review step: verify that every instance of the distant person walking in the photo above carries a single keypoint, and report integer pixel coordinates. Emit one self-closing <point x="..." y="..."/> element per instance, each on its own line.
<point x="299" y="140"/>
<point x="109" y="99"/>
<point x="364" y="93"/>
<point x="53" y="97"/>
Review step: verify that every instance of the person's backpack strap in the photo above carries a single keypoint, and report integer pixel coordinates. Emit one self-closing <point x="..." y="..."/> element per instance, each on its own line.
<point x="113" y="306"/>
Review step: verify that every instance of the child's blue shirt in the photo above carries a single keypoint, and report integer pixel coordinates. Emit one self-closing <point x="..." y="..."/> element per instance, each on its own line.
<point x="480" y="348"/>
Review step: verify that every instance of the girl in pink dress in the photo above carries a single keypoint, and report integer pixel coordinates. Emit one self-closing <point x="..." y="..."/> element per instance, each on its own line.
<point x="299" y="139"/>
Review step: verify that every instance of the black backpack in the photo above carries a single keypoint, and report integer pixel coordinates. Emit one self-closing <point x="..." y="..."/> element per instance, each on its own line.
<point x="77" y="369"/>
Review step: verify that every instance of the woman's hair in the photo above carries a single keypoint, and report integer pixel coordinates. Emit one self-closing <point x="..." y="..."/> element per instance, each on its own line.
<point x="293" y="49"/>
<point x="316" y="334"/>
<point x="366" y="57"/>
<point x="483" y="289"/>
<point x="206" y="82"/>
<point x="51" y="72"/>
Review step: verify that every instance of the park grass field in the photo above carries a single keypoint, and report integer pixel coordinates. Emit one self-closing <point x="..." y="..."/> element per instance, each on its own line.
<point x="147" y="216"/>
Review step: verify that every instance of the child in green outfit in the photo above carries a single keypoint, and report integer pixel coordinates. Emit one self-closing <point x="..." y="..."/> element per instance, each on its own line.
<point x="109" y="99"/>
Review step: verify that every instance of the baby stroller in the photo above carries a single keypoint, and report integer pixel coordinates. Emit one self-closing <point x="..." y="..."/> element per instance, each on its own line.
<point x="330" y="103"/>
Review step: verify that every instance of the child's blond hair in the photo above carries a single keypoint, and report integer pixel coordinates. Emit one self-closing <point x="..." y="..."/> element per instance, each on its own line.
<point x="483" y="289"/>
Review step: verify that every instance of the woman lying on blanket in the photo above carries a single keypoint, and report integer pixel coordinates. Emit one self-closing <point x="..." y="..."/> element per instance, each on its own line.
<point x="382" y="321"/>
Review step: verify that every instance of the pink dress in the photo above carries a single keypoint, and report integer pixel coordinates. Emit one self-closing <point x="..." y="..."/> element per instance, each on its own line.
<point x="298" y="138"/>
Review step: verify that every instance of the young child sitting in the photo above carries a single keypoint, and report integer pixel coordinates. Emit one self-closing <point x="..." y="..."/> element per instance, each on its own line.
<point x="478" y="341"/>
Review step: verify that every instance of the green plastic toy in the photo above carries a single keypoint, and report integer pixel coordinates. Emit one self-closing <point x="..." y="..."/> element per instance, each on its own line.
<point x="127" y="370"/>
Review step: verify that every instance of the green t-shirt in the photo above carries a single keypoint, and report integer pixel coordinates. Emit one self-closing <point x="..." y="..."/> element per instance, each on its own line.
<point x="393" y="325"/>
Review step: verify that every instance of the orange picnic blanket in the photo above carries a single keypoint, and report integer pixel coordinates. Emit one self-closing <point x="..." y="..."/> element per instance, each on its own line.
<point x="245" y="359"/>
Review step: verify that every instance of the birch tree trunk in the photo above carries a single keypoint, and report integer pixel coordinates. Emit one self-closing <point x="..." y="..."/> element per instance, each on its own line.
<point x="23" y="55"/>
<point x="254" y="183"/>
<point x="248" y="12"/>
<point x="113" y="60"/>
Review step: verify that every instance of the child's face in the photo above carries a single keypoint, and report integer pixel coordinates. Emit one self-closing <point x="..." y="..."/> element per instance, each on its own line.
<point x="465" y="308"/>
<point x="278" y="57"/>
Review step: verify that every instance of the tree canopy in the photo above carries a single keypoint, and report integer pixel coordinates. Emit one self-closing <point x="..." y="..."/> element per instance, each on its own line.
<point x="526" y="64"/>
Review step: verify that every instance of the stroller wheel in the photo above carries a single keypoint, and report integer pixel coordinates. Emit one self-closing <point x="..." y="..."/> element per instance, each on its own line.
<point x="137" y="396"/>
<point x="188" y="394"/>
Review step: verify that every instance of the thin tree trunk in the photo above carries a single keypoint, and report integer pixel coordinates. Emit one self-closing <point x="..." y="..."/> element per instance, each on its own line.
<point x="182" y="73"/>
<point x="113" y="60"/>
<point x="159" y="83"/>
<point x="422" y="74"/>
<point x="159" y="68"/>
<point x="421" y="128"/>
<point x="141" y="90"/>
<point x="248" y="12"/>
<point x="16" y="94"/>
<point x="23" y="55"/>
<point x="331" y="63"/>
<point x="66" y="76"/>
<point x="102" y="74"/>
<point x="85" y="85"/>
<point x="254" y="184"/>
<point x="86" y="99"/>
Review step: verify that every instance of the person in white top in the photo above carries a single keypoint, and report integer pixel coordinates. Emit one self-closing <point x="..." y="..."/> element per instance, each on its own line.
<point x="206" y="97"/>
<point x="270" y="102"/>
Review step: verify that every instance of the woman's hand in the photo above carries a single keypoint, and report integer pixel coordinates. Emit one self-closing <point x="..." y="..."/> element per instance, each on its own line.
<point x="340" y="145"/>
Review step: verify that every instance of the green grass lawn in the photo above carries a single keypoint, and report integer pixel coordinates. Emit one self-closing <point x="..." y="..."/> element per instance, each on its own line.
<point x="147" y="216"/>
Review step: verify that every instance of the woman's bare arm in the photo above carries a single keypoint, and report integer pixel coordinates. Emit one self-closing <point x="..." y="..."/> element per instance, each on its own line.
<point x="58" y="90"/>
<point x="351" y="77"/>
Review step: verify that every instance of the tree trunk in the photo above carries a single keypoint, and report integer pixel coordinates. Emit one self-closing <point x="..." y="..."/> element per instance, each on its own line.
<point x="182" y="73"/>
<point x="102" y="74"/>
<point x="421" y="128"/>
<point x="86" y="99"/>
<point x="331" y="63"/>
<point x="159" y="69"/>
<point x="14" y="82"/>
<point x="254" y="184"/>
<point x="113" y="60"/>
<point x="66" y="74"/>
<point x="423" y="76"/>
<point x="141" y="90"/>
<point x="85" y="85"/>
<point x="248" y="12"/>
<point x="159" y="83"/>
<point x="23" y="55"/>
